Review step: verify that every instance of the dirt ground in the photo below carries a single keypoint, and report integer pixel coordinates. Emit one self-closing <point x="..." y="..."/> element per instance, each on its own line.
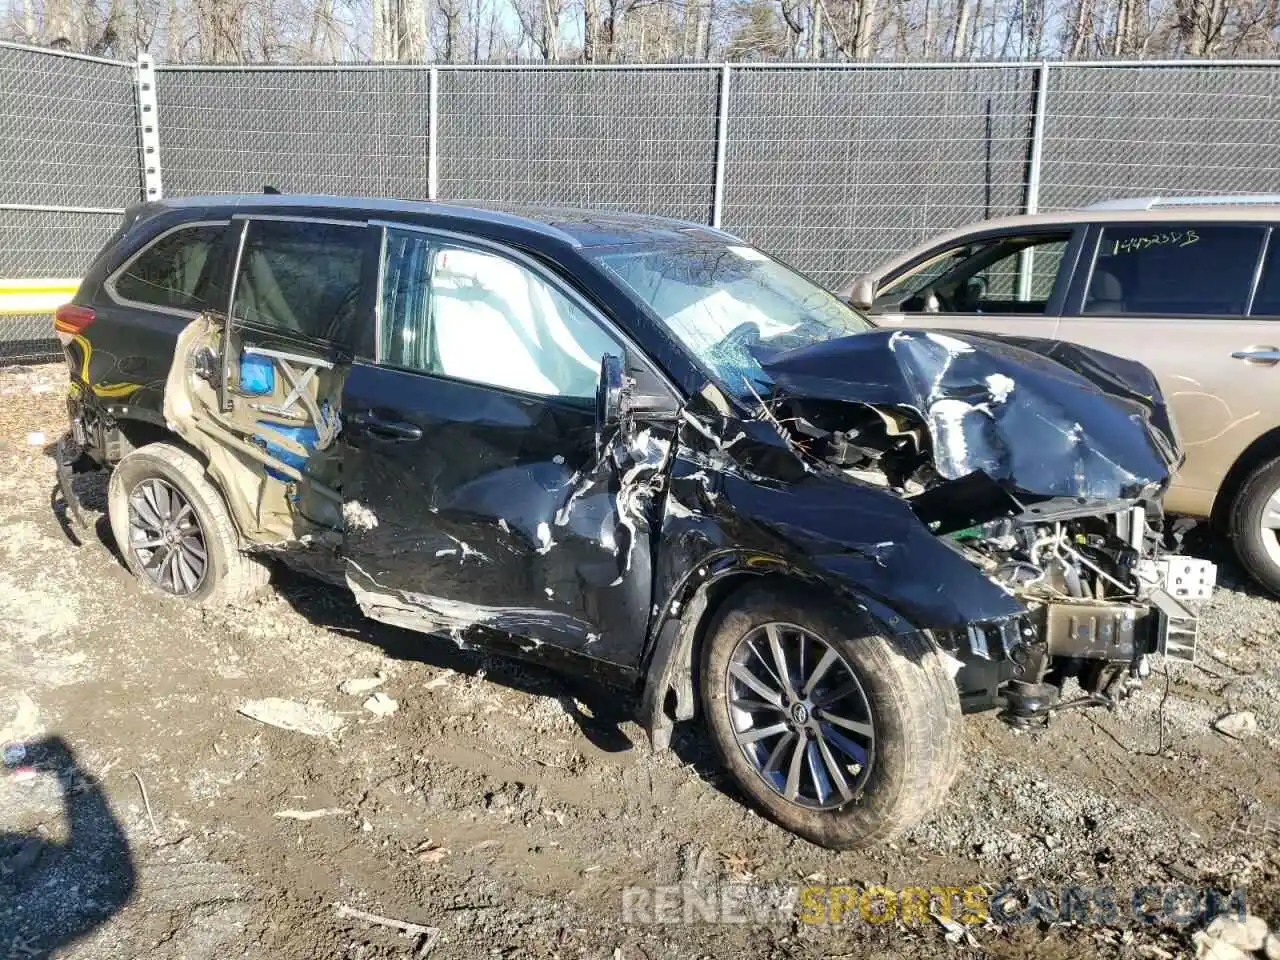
<point x="509" y="807"/>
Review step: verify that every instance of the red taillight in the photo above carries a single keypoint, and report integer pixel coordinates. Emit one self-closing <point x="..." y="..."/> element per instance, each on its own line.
<point x="72" y="318"/>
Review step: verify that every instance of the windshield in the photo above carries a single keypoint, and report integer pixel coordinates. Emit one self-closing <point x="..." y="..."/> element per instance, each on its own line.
<point x="732" y="304"/>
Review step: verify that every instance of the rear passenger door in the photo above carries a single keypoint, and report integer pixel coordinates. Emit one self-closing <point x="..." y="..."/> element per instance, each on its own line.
<point x="1004" y="282"/>
<point x="1199" y="303"/>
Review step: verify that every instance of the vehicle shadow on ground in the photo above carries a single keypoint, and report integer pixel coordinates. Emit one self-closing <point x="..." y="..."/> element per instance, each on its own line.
<point x="597" y="709"/>
<point x="55" y="891"/>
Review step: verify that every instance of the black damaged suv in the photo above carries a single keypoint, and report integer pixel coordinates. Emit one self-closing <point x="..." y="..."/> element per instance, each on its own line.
<point x="647" y="449"/>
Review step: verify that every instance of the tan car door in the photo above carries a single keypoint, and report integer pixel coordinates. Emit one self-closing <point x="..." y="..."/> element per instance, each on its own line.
<point x="1183" y="298"/>
<point x="1002" y="282"/>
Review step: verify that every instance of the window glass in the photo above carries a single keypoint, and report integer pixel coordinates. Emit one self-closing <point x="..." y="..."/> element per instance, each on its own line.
<point x="1179" y="269"/>
<point x="729" y="304"/>
<point x="167" y="273"/>
<point x="1266" y="302"/>
<point x="477" y="316"/>
<point x="302" y="277"/>
<point x="999" y="275"/>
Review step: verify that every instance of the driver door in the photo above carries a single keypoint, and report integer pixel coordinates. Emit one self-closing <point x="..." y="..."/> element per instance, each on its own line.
<point x="476" y="493"/>
<point x="996" y="283"/>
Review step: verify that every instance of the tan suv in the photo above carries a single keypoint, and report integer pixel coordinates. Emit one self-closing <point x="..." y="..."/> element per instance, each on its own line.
<point x="1188" y="286"/>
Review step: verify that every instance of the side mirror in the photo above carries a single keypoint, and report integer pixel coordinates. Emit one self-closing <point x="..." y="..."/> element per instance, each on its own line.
<point x="863" y="293"/>
<point x="611" y="398"/>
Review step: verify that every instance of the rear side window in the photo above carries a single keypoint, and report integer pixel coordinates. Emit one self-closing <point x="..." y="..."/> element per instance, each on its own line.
<point x="167" y="273"/>
<point x="1174" y="270"/>
<point x="302" y="278"/>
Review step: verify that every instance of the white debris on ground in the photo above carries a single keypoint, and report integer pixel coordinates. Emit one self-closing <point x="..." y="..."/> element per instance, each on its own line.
<point x="1237" y="725"/>
<point x="311" y="719"/>
<point x="360" y="685"/>
<point x="380" y="705"/>
<point x="1230" y="938"/>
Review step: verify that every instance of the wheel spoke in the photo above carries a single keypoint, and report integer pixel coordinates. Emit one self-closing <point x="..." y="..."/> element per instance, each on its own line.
<point x="754" y="706"/>
<point x="857" y="726"/>
<point x="1271" y="513"/>
<point x="194" y="546"/>
<point x="821" y="782"/>
<point x="792" y="790"/>
<point x="148" y="544"/>
<point x="846" y="746"/>
<point x="775" y="755"/>
<point x="833" y="768"/>
<point x="743" y="675"/>
<point x="766" y="662"/>
<point x="155" y="563"/>
<point x="145" y="512"/>
<point x="186" y="569"/>
<point x="836" y="695"/>
<point x="760" y="733"/>
<point x="183" y="512"/>
<point x="780" y="659"/>
<point x="153" y="494"/>
<point x="175" y="573"/>
<point x="820" y="670"/>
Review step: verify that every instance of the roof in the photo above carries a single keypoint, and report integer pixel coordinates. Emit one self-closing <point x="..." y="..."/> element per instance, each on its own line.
<point x="576" y="227"/>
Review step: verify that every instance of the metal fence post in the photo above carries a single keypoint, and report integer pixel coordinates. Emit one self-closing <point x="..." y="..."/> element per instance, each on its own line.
<point x="1026" y="259"/>
<point x="148" y="127"/>
<point x="433" y="126"/>
<point x="722" y="140"/>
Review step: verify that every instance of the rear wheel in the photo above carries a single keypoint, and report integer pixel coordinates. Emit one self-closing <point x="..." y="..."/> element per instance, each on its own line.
<point x="1255" y="525"/>
<point x="173" y="529"/>
<point x="842" y="738"/>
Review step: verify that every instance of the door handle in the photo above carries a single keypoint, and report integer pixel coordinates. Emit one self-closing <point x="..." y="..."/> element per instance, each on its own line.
<point x="386" y="429"/>
<point x="1259" y="354"/>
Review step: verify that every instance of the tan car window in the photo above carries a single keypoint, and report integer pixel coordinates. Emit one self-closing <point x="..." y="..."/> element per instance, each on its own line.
<point x="1174" y="270"/>
<point x="1013" y="275"/>
<point x="1266" y="302"/>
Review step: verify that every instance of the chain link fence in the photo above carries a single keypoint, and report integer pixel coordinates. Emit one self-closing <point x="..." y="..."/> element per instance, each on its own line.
<point x="831" y="167"/>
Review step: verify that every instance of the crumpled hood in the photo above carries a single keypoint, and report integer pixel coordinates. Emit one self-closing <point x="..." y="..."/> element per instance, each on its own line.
<point x="1042" y="417"/>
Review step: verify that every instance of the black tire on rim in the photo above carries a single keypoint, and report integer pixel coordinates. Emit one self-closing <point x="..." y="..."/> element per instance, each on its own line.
<point x="800" y="693"/>
<point x="1254" y="525"/>
<point x="175" y="532"/>
<point x="166" y="538"/>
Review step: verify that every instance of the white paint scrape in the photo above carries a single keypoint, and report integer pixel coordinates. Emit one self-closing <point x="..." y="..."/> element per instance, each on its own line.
<point x="1000" y="387"/>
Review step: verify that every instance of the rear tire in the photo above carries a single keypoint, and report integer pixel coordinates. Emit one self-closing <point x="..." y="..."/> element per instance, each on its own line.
<point x="174" y="531"/>
<point x="1255" y="506"/>
<point x="902" y="711"/>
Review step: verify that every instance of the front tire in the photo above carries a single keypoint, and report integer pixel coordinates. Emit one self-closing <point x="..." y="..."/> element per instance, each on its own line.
<point x="843" y="738"/>
<point x="174" y="531"/>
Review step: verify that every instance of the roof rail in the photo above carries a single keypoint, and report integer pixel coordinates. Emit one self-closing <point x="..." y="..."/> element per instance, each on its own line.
<point x="1212" y="200"/>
